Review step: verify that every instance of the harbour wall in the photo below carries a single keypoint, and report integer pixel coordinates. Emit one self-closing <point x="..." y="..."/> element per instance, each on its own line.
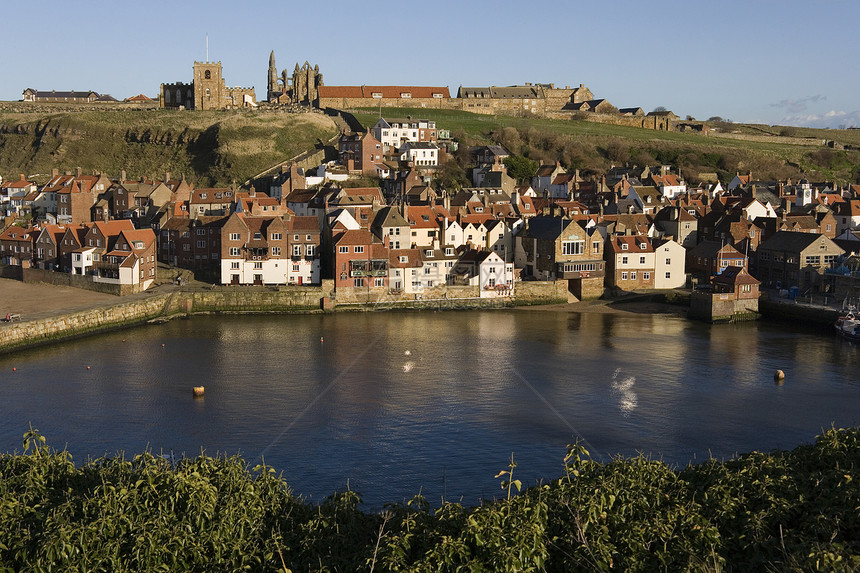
<point x="242" y="300"/>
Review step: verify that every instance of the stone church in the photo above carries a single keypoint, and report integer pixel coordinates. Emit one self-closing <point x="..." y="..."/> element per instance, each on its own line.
<point x="300" y="88"/>
<point x="207" y="91"/>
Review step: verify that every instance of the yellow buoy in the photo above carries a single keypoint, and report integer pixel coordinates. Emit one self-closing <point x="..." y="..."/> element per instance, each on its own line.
<point x="779" y="376"/>
<point x="198" y="391"/>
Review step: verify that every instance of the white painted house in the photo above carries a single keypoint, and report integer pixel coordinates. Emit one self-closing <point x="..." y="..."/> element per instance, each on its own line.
<point x="669" y="265"/>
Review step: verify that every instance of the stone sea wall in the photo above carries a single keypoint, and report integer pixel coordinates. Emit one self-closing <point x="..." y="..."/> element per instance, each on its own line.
<point x="253" y="300"/>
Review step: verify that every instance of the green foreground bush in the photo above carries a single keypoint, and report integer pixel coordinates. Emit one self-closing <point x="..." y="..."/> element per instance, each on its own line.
<point x="783" y="511"/>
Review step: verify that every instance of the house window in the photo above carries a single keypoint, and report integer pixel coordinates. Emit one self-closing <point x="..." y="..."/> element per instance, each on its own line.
<point x="624" y="276"/>
<point x="572" y="247"/>
<point x="343" y="249"/>
<point x="646" y="276"/>
<point x="624" y="260"/>
<point x="234" y="251"/>
<point x="595" y="247"/>
<point x="201" y="244"/>
<point x="633" y="276"/>
<point x="378" y="282"/>
<point x="297" y="250"/>
<point x="234" y="265"/>
<point x="276" y="236"/>
<point x="668" y="275"/>
<point x="358" y="282"/>
<point x="359" y="248"/>
<point x="234" y="236"/>
<point x="623" y="246"/>
<point x="276" y="251"/>
<point x="258" y="265"/>
<point x="309" y="251"/>
<point x="642" y="260"/>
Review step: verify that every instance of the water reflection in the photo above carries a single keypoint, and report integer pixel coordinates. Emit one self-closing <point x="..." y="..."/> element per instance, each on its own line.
<point x="433" y="402"/>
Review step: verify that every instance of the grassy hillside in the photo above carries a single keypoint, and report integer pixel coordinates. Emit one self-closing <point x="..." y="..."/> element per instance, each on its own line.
<point x="594" y="147"/>
<point x="216" y="148"/>
<point x="209" y="148"/>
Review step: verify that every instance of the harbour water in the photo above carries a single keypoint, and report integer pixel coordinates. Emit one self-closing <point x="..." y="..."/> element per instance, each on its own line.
<point x="393" y="404"/>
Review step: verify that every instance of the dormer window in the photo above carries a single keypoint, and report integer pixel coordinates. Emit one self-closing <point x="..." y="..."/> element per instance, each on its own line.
<point x="428" y="253"/>
<point x="623" y="246"/>
<point x="643" y="246"/>
<point x="203" y="195"/>
<point x="257" y="235"/>
<point x="403" y="259"/>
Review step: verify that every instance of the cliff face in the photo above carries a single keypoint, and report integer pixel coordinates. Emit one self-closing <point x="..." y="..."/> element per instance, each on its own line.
<point x="208" y="148"/>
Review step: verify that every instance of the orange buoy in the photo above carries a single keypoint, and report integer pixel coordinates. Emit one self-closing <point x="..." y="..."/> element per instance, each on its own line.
<point x="198" y="391"/>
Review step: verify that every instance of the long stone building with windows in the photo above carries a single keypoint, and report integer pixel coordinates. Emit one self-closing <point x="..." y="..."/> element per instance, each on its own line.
<point x="207" y="91"/>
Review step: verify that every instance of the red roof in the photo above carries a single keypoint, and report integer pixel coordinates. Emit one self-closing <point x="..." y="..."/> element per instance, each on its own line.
<point x="388" y="92"/>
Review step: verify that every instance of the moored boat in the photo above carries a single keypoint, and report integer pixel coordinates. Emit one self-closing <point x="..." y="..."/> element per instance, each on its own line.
<point x="848" y="326"/>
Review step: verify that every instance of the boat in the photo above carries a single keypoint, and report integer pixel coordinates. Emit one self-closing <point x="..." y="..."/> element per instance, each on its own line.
<point x="848" y="325"/>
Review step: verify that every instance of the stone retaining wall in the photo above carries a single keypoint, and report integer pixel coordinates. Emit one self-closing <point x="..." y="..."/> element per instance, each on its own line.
<point x="33" y="275"/>
<point x="253" y="300"/>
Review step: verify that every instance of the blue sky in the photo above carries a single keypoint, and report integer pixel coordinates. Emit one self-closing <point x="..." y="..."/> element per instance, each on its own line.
<point x="786" y="62"/>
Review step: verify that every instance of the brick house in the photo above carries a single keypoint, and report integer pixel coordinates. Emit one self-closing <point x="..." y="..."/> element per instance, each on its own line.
<point x="211" y="202"/>
<point x="191" y="243"/>
<point x="360" y="152"/>
<point x="46" y="254"/>
<point x="16" y="246"/>
<point x="710" y="257"/>
<point x="359" y="261"/>
<point x="99" y="238"/>
<point x="254" y="250"/>
<point x="71" y="240"/>
<point x="630" y="263"/>
<point x="130" y="261"/>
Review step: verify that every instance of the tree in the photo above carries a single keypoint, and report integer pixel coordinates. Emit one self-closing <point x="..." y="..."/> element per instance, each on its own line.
<point x="520" y="168"/>
<point x="659" y="109"/>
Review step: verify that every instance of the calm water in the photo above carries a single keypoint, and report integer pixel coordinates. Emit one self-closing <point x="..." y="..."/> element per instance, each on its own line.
<point x="392" y="404"/>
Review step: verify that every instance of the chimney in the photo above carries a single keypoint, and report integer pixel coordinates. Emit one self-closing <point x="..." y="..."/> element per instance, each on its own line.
<point x="78" y="171"/>
<point x="122" y="175"/>
<point x="166" y="176"/>
<point x="752" y="191"/>
<point x="55" y="172"/>
<point x="22" y="178"/>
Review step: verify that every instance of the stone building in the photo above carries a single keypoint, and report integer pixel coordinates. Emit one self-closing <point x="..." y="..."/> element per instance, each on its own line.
<point x="207" y="91"/>
<point x="300" y="88"/>
<point x="346" y="97"/>
<point x="529" y="98"/>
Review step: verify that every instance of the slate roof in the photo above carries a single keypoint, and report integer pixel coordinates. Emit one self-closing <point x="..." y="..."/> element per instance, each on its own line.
<point x="789" y="241"/>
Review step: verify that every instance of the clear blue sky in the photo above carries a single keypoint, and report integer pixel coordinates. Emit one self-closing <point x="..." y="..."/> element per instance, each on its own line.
<point x="789" y="62"/>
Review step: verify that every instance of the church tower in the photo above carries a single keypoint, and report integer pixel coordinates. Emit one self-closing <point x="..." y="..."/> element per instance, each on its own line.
<point x="208" y="86"/>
